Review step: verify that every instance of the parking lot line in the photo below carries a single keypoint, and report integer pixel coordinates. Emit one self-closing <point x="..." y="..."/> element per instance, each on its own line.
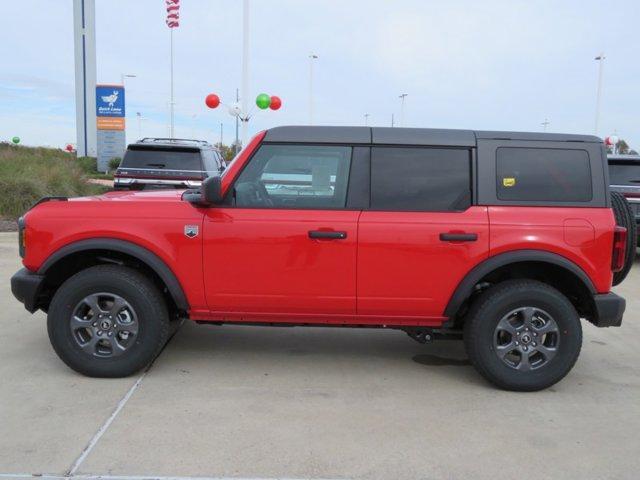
<point x="105" y="425"/>
<point x="94" y="440"/>
<point x="25" y="476"/>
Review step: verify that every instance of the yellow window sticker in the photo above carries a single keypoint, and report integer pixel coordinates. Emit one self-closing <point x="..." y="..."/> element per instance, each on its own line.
<point x="508" y="181"/>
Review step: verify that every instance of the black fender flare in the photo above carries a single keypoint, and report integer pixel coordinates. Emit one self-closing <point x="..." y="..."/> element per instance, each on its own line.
<point x="466" y="286"/>
<point x="132" y="249"/>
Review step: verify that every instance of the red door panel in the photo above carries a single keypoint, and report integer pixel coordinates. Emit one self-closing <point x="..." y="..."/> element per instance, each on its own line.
<point x="259" y="263"/>
<point x="406" y="270"/>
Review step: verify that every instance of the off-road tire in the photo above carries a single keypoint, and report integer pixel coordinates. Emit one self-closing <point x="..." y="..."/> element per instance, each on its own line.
<point x="496" y="302"/>
<point x="143" y="296"/>
<point x="625" y="218"/>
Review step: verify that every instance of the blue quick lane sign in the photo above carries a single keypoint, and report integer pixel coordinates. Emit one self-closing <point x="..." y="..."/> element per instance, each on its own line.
<point x="109" y="101"/>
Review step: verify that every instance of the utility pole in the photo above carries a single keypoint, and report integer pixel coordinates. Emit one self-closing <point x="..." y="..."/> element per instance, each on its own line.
<point x="392" y="122"/>
<point x="312" y="57"/>
<point x="600" y="58"/>
<point x="221" y="130"/>
<point x="402" y="97"/>
<point x="366" y="119"/>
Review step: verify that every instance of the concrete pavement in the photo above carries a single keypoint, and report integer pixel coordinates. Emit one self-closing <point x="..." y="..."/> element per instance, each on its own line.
<point x="314" y="403"/>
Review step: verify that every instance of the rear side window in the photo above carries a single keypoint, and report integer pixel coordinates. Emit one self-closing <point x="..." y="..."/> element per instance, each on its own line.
<point x="420" y="179"/>
<point x="163" y="159"/>
<point x="543" y="174"/>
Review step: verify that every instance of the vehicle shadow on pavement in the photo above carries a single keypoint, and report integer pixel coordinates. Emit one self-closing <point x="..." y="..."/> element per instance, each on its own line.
<point x="303" y="349"/>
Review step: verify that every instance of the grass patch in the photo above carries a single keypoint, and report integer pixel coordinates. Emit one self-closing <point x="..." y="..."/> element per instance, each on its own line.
<point x="28" y="174"/>
<point x="101" y="176"/>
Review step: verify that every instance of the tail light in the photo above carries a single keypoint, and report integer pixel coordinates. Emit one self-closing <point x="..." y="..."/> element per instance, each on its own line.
<point x="22" y="237"/>
<point x="619" y="248"/>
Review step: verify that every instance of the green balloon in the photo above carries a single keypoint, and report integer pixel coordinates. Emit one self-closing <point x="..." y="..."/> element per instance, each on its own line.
<point x="263" y="101"/>
<point x="16" y="140"/>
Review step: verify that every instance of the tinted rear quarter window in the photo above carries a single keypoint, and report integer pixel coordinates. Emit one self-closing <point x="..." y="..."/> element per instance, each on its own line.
<point x="420" y="179"/>
<point x="163" y="159"/>
<point x="543" y="174"/>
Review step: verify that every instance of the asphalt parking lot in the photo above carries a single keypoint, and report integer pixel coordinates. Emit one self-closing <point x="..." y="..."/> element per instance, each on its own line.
<point x="250" y="402"/>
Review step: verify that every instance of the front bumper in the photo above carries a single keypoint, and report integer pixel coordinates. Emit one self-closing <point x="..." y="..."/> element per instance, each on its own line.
<point x="609" y="310"/>
<point x="26" y="286"/>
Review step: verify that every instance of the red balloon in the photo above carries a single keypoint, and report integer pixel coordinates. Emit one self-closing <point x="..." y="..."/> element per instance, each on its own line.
<point x="69" y="148"/>
<point x="276" y="103"/>
<point x="212" y="100"/>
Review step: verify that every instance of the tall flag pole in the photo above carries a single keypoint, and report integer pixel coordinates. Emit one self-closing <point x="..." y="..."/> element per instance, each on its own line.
<point x="173" y="21"/>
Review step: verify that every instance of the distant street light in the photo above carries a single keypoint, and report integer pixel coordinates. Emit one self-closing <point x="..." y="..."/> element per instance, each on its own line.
<point x="312" y="57"/>
<point x="139" y="115"/>
<point x="545" y="124"/>
<point x="402" y="97"/>
<point x="126" y="75"/>
<point x="600" y="58"/>
<point x="366" y="119"/>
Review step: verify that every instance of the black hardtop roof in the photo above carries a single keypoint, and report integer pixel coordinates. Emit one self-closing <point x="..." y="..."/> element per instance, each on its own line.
<point x="408" y="136"/>
<point x="164" y="143"/>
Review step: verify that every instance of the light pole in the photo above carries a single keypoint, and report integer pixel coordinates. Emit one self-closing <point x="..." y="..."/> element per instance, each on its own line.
<point x="600" y="58"/>
<point x="139" y="116"/>
<point x="545" y="124"/>
<point x="236" y="147"/>
<point x="366" y="119"/>
<point x="245" y="67"/>
<point x="312" y="57"/>
<point x="402" y="97"/>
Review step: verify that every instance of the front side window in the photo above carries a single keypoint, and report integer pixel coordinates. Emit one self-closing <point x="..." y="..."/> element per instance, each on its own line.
<point x="295" y="176"/>
<point x="420" y="179"/>
<point x="543" y="174"/>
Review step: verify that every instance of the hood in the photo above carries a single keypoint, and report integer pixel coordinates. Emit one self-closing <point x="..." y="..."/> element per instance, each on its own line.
<point x="134" y="196"/>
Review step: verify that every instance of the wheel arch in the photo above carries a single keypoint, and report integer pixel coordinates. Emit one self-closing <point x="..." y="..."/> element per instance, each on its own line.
<point x="78" y="255"/>
<point x="551" y="268"/>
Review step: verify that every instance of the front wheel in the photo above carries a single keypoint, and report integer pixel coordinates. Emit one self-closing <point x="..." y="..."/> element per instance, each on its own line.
<point x="523" y="335"/>
<point x="108" y="321"/>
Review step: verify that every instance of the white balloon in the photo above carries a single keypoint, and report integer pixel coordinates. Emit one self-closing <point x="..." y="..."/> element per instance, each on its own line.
<point x="234" y="110"/>
<point x="614" y="139"/>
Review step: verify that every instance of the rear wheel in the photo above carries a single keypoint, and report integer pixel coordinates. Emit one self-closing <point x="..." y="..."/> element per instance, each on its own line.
<point x="523" y="335"/>
<point x="108" y="321"/>
<point x="625" y="218"/>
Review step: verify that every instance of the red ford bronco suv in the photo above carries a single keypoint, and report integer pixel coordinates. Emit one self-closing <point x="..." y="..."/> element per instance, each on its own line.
<point x="506" y="240"/>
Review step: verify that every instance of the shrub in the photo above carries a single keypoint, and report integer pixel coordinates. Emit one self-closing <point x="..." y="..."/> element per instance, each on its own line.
<point x="114" y="163"/>
<point x="27" y="174"/>
<point x="88" y="164"/>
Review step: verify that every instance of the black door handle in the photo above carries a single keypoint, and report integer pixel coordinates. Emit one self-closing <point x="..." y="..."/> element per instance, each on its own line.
<point x="458" y="237"/>
<point x="327" y="235"/>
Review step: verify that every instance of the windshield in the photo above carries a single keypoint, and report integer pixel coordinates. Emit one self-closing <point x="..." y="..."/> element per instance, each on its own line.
<point x="163" y="159"/>
<point x="624" y="173"/>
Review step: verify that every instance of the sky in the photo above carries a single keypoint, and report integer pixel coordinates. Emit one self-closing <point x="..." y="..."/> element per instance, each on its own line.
<point x="495" y="65"/>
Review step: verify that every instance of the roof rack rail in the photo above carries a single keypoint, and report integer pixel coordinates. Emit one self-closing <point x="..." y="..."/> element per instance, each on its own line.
<point x="172" y="140"/>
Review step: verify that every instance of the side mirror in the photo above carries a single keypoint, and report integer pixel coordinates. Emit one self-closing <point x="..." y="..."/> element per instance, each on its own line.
<point x="212" y="191"/>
